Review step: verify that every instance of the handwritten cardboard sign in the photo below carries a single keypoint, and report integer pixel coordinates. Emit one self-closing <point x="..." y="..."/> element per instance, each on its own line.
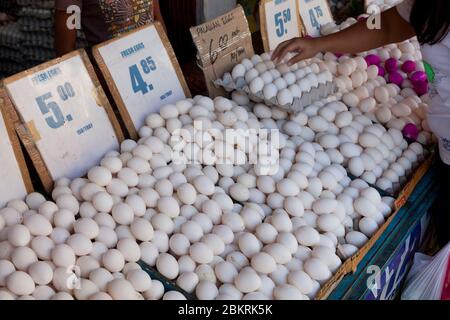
<point x="63" y="117"/>
<point x="221" y="44"/>
<point x="279" y="22"/>
<point x="142" y="73"/>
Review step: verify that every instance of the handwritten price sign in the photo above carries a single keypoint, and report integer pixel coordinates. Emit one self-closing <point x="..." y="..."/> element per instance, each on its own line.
<point x="314" y="14"/>
<point x="221" y="44"/>
<point x="68" y="123"/>
<point x="279" y="22"/>
<point x="142" y="72"/>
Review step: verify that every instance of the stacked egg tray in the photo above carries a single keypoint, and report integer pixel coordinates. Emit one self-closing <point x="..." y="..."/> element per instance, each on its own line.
<point x="291" y="88"/>
<point x="10" y="49"/>
<point x="42" y="4"/>
<point x="36" y="21"/>
<point x="298" y="104"/>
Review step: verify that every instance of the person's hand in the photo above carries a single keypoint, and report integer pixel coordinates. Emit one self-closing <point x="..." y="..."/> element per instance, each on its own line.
<point x="304" y="47"/>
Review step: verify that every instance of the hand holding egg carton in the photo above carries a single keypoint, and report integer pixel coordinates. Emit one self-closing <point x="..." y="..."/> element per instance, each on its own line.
<point x="291" y="88"/>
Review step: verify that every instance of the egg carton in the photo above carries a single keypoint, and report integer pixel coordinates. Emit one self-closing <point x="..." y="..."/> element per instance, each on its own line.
<point x="11" y="54"/>
<point x="28" y="24"/>
<point x="315" y="94"/>
<point x="10" y="35"/>
<point x="37" y="13"/>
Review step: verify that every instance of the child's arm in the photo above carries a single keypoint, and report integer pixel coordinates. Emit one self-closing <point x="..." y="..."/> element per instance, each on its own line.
<point x="355" y="39"/>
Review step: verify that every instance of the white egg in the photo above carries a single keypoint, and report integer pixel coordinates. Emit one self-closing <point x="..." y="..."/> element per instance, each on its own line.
<point x="285" y="97"/>
<point x="270" y="91"/>
<point x="256" y="85"/>
<point x="368" y="226"/>
<point x="263" y="263"/>
<point x="247" y="281"/>
<point x="356" y="166"/>
<point x="356" y="238"/>
<point x="238" y="71"/>
<point x="317" y="269"/>
<point x="167" y="266"/>
<point x="307" y="236"/>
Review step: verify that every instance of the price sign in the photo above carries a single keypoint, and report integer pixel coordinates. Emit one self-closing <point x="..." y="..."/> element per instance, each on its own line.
<point x="63" y="117"/>
<point x="15" y="181"/>
<point x="279" y="22"/>
<point x="142" y="73"/>
<point x="314" y="14"/>
<point x="221" y="44"/>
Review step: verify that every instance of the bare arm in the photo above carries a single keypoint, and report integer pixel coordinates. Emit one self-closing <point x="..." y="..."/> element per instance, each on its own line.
<point x="355" y="39"/>
<point x="65" y="39"/>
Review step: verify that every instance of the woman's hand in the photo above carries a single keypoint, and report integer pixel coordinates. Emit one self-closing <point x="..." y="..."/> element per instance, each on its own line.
<point x="304" y="47"/>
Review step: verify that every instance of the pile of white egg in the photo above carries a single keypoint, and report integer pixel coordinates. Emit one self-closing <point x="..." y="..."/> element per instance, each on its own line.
<point x="380" y="157"/>
<point x="368" y="86"/>
<point x="386" y="103"/>
<point x="382" y="4"/>
<point x="63" y="251"/>
<point x="366" y="149"/>
<point x="279" y="84"/>
<point x="220" y="231"/>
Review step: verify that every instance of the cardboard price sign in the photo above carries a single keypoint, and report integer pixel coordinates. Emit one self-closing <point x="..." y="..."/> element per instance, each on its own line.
<point x="62" y="116"/>
<point x="15" y="180"/>
<point x="314" y="14"/>
<point x="221" y="44"/>
<point x="142" y="73"/>
<point x="279" y="22"/>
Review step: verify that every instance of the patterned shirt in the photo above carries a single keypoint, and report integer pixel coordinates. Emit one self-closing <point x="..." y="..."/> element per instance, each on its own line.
<point x="103" y="19"/>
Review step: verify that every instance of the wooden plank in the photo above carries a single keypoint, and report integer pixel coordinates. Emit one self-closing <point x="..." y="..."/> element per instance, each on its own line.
<point x="263" y="25"/>
<point x="25" y="180"/>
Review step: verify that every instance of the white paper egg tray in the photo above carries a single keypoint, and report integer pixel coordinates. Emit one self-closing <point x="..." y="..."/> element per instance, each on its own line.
<point x="315" y="94"/>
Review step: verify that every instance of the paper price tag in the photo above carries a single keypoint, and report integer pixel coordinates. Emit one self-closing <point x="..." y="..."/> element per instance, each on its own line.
<point x="279" y="22"/>
<point x="221" y="44"/>
<point x="63" y="119"/>
<point x="15" y="181"/>
<point x="142" y="73"/>
<point x="314" y="14"/>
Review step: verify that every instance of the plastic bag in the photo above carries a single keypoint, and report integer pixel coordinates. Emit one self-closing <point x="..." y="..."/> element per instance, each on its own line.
<point x="427" y="278"/>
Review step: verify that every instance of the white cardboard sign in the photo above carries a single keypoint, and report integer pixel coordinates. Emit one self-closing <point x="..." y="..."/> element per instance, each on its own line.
<point x="314" y="14"/>
<point x="281" y="21"/>
<point x="143" y="73"/>
<point x="59" y="105"/>
<point x="12" y="184"/>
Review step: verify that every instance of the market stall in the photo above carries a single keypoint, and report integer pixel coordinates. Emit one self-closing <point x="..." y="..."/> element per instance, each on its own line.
<point x="286" y="182"/>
